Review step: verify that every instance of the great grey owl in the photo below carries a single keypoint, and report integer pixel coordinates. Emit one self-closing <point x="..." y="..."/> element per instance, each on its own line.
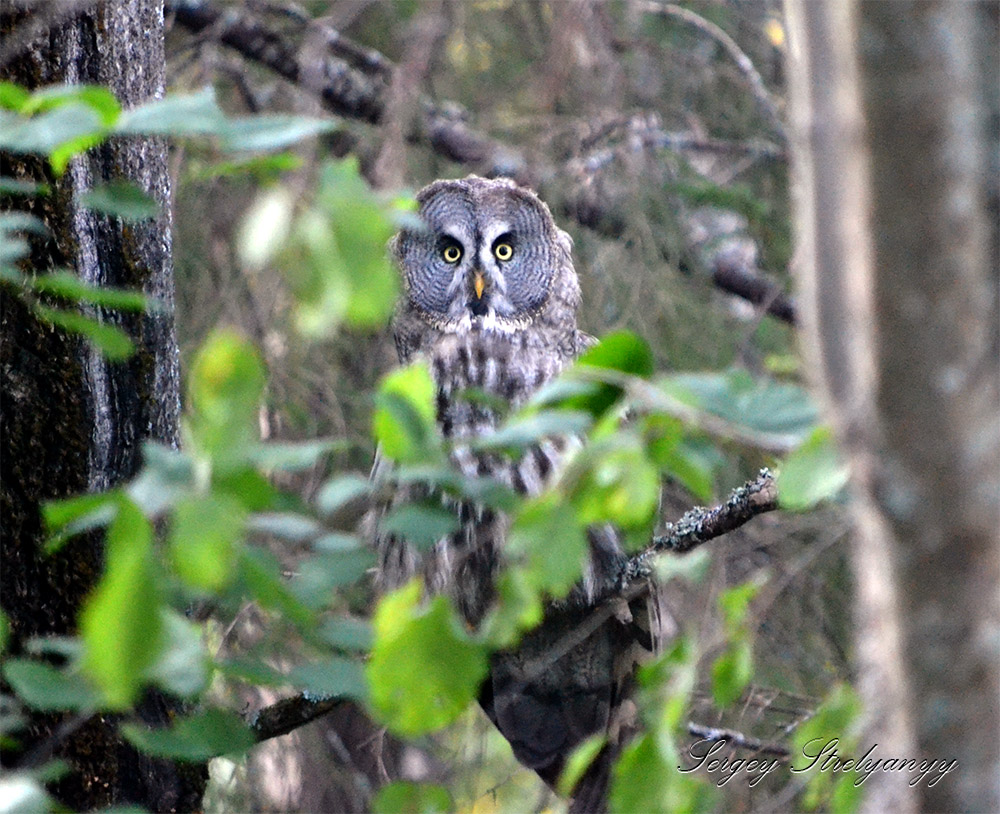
<point x="490" y="301"/>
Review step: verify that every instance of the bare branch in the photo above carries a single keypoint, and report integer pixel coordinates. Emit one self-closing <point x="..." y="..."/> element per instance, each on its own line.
<point x="745" y="283"/>
<point x="289" y="714"/>
<point x="743" y="62"/>
<point x="731" y="736"/>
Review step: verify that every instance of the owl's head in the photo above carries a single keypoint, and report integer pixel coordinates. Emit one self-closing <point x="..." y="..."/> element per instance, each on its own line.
<point x="490" y="256"/>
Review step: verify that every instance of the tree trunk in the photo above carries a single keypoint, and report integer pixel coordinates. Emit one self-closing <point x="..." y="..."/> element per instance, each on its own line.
<point x="71" y="421"/>
<point x="898" y="270"/>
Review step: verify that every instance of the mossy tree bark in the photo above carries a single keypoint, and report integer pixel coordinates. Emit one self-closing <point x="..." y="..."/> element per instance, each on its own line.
<point x="73" y="422"/>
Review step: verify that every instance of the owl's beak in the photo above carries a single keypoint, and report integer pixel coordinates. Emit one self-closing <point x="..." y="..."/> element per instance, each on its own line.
<point x="479" y="283"/>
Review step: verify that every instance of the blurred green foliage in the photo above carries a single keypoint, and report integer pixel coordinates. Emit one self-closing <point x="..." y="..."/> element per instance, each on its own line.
<point x="200" y="524"/>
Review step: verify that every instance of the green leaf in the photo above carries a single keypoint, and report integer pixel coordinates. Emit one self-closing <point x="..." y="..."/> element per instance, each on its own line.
<point x="621" y="352"/>
<point x="362" y="229"/>
<point x="618" y="484"/>
<point x="120" y="622"/>
<point x="175" y="115"/>
<point x="120" y="199"/>
<point x="320" y="575"/>
<point x="422" y="524"/>
<point x="291" y="456"/>
<point x="260" y="573"/>
<point x="547" y="533"/>
<point x="579" y="761"/>
<point x="347" y="633"/>
<point x="524" y="430"/>
<point x="204" y="533"/>
<point x="68" y="286"/>
<point x="75" y="515"/>
<point x="646" y="780"/>
<point x="262" y="133"/>
<point x="12" y="96"/>
<point x="403" y="423"/>
<point x="182" y="667"/>
<point x="195" y="739"/>
<point x="333" y="677"/>
<point x="732" y="671"/>
<point x="246" y="486"/>
<point x="338" y="492"/>
<point x="295" y="528"/>
<point x="97" y="97"/>
<point x="110" y="340"/>
<point x="765" y="406"/>
<point x="4" y="631"/>
<point x="812" y="473"/>
<point x="17" y="186"/>
<point x="405" y="797"/>
<point x="167" y="474"/>
<point x="74" y="126"/>
<point x="675" y="456"/>
<point x="735" y="603"/>
<point x="44" y="687"/>
<point x="424" y="670"/>
<point x="226" y="386"/>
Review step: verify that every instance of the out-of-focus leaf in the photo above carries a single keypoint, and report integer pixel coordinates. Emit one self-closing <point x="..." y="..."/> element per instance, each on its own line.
<point x="13" y="96"/>
<point x="403" y="422"/>
<point x="225" y="387"/>
<point x="422" y="524"/>
<point x="73" y="125"/>
<point x="265" y="227"/>
<point x="286" y="525"/>
<point x="167" y="474"/>
<point x="676" y="457"/>
<point x="347" y="633"/>
<point x="405" y="797"/>
<point x="182" y="667"/>
<point x="17" y="186"/>
<point x="196" y="738"/>
<point x="120" y="199"/>
<point x="621" y="352"/>
<point x="338" y="492"/>
<point x="735" y="603"/>
<point x="812" y="473"/>
<point x="261" y="133"/>
<point x="766" y="406"/>
<point x="579" y="761"/>
<point x="175" y="115"/>
<point x="333" y="677"/>
<point x="110" y="340"/>
<point x="291" y="456"/>
<point x="75" y="515"/>
<point x="547" y="533"/>
<point x="320" y="574"/>
<point x="732" y="671"/>
<point x="44" y="687"/>
<point x="68" y="286"/>
<point x="426" y="641"/>
<point x="120" y="622"/>
<point x="204" y="531"/>
<point x="97" y="97"/>
<point x="260" y="573"/>
<point x="522" y="431"/>
<point x="618" y="484"/>
<point x="647" y="779"/>
<point x="246" y="486"/>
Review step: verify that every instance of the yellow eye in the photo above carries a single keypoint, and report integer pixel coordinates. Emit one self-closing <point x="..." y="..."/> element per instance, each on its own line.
<point x="503" y="251"/>
<point x="452" y="254"/>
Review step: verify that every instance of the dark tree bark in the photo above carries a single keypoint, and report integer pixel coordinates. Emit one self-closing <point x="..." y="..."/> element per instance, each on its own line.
<point x="896" y="112"/>
<point x="71" y="421"/>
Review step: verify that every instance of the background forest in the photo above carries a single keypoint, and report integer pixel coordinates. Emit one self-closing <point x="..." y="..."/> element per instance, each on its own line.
<point x="662" y="136"/>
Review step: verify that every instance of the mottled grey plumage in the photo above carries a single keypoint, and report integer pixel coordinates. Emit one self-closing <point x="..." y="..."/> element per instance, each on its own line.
<point x="507" y="333"/>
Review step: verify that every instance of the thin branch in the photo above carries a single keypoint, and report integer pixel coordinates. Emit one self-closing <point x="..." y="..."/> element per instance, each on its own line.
<point x="289" y="714"/>
<point x="699" y="525"/>
<point x="731" y="736"/>
<point x="743" y="62"/>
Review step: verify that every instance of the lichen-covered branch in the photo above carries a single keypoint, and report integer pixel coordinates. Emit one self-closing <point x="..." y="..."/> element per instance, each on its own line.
<point x="700" y="525"/>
